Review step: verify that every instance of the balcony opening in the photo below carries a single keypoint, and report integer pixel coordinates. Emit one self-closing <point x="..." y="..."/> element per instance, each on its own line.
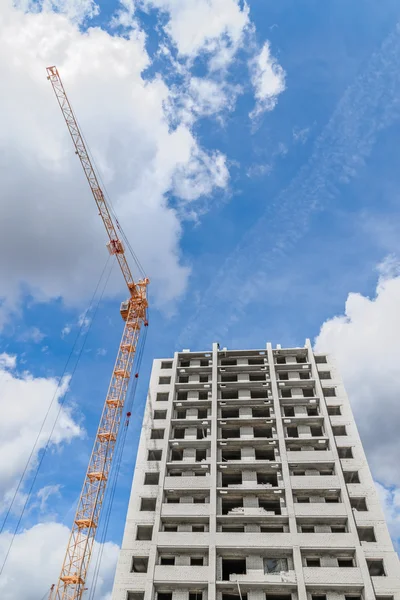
<point x="167" y="561"/>
<point x="262" y="454"/>
<point x="172" y="499"/>
<point x="151" y="478"/>
<point x="231" y="479"/>
<point x="231" y="378"/>
<point x="375" y="567"/>
<point x="275" y="565"/>
<point x="307" y="529"/>
<point x="286" y="393"/>
<point x="203" y="378"/>
<point x="232" y="528"/>
<point x="344" y="452"/>
<point x="201" y="433"/>
<point x="157" y="434"/>
<point x="234" y="596"/>
<point x="345" y="562"/>
<point x="166" y="365"/>
<point x="195" y="596"/>
<point x="366" y="534"/>
<point x="228" y="455"/>
<point x="233" y="566"/>
<point x="204" y="363"/>
<point x="259" y="413"/>
<point x="338" y="528"/>
<point x="283" y="376"/>
<point x="148" y="504"/>
<point x="332" y="499"/>
<point x="197" y="561"/>
<point x="229" y="395"/>
<point x="316" y="431"/>
<point x="135" y="596"/>
<point x="278" y="596"/>
<point x="281" y="360"/>
<point x="359" y="504"/>
<point x="255" y="361"/>
<point x="312" y="411"/>
<point x="289" y="411"/>
<point x="329" y="392"/>
<point x="351" y="477"/>
<point x="308" y="393"/>
<point x="176" y="454"/>
<point x="182" y="396"/>
<point x="201" y="455"/>
<point x="154" y="455"/>
<point x="200" y="500"/>
<point x="198" y="528"/>
<point x="203" y="395"/>
<point x="183" y="379"/>
<point x="202" y="413"/>
<point x="334" y="411"/>
<point x="159" y="415"/>
<point x="184" y="363"/>
<point x="302" y="499"/>
<point x="179" y="433"/>
<point x="256" y="377"/>
<point x="230" y="413"/>
<point x="262" y="432"/>
<point x="313" y="562"/>
<point x="230" y="433"/>
<point x="181" y="414"/>
<point x="170" y="528"/>
<point x="305" y="375"/>
<point x="339" y="430"/>
<point x="230" y="504"/>
<point x="320" y="359"/>
<point x="273" y="506"/>
<point x="269" y="480"/>
<point x="140" y="564"/>
<point x="174" y="474"/>
<point x="228" y="362"/>
<point x="164" y="595"/>
<point x="318" y="597"/>
<point x="144" y="532"/>
<point x="272" y="529"/>
<point x="258" y="394"/>
<point x="292" y="432"/>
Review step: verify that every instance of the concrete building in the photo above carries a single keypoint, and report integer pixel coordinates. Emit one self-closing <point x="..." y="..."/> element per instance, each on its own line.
<point x="251" y="483"/>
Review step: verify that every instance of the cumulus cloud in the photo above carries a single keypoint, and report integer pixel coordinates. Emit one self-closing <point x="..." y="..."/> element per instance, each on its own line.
<point x="364" y="341"/>
<point x="50" y="231"/>
<point x="41" y="550"/>
<point x="213" y="27"/>
<point x="268" y="79"/>
<point x="24" y="402"/>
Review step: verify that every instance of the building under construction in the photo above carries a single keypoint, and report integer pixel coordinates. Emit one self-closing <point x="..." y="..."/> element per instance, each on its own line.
<point x="251" y="483"/>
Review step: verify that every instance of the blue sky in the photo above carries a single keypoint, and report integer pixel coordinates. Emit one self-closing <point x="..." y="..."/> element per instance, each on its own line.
<point x="250" y="151"/>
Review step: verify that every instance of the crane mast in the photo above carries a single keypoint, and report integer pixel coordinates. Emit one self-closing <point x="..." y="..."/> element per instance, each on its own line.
<point x="71" y="583"/>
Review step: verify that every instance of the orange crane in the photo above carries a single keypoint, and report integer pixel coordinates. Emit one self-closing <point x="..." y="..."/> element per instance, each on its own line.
<point x="71" y="583"/>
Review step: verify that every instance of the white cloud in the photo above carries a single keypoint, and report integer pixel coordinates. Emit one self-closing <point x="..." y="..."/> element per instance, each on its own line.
<point x="32" y="334"/>
<point x="215" y="27"/>
<point x="7" y="361"/>
<point x="365" y="342"/>
<point x="268" y="79"/>
<point x="66" y="330"/>
<point x="24" y="402"/>
<point x="41" y="550"/>
<point x="390" y="499"/>
<point x="55" y="246"/>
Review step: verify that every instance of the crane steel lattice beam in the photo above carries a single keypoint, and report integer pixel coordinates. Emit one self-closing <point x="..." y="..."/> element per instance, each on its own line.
<point x="71" y="583"/>
<point x="115" y="245"/>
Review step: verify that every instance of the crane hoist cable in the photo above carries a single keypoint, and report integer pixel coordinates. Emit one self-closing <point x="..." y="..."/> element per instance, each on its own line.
<point x="72" y="580"/>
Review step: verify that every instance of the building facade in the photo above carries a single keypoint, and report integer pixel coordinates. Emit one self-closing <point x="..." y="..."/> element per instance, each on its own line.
<point x="251" y="483"/>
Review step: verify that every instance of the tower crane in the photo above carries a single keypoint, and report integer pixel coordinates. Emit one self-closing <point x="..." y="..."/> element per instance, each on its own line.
<point x="71" y="583"/>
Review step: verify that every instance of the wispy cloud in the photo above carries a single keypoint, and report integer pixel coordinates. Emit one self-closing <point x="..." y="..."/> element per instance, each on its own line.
<point x="367" y="107"/>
